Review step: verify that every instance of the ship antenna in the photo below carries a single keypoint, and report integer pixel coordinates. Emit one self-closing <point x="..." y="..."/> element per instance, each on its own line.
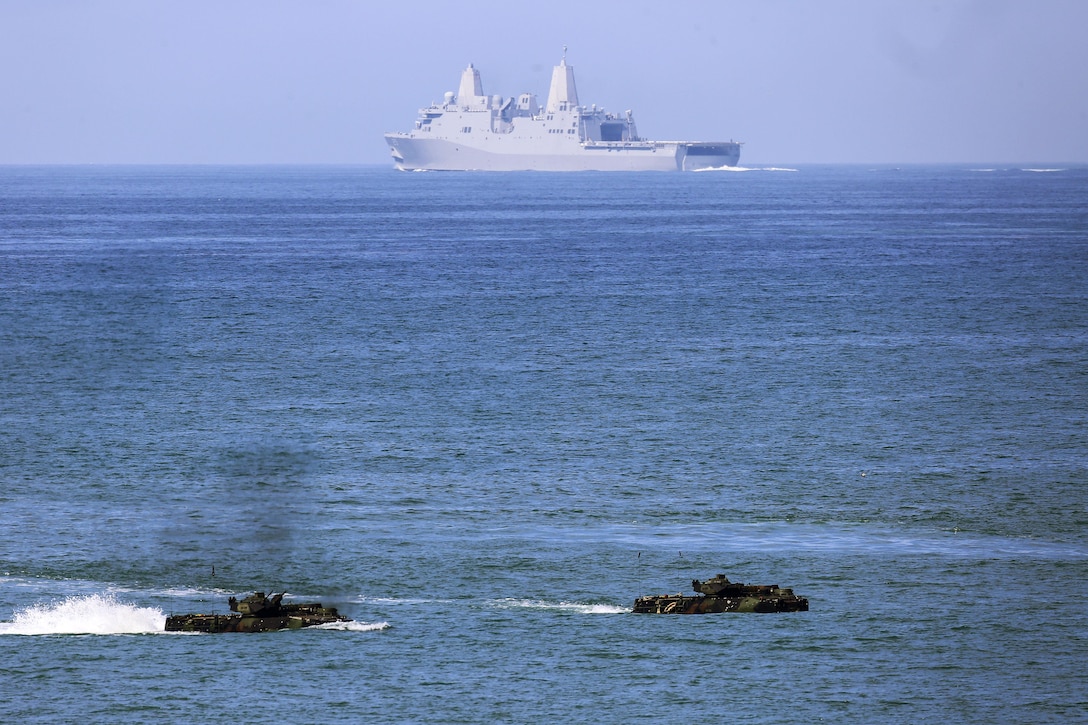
<point x="564" y="55"/>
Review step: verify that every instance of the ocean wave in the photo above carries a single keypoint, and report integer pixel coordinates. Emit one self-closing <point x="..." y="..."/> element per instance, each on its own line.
<point x="831" y="536"/>
<point x="1033" y="170"/>
<point x="91" y="614"/>
<point x="396" y="600"/>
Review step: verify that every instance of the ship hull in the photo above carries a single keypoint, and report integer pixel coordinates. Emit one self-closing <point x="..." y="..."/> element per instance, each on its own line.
<point x="699" y="156"/>
<point x="432" y="154"/>
<point x="411" y="153"/>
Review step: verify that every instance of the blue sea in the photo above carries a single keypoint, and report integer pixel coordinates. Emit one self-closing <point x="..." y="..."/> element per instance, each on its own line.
<point x="481" y="413"/>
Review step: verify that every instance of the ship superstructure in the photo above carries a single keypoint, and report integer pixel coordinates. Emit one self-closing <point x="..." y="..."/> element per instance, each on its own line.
<point x="473" y="131"/>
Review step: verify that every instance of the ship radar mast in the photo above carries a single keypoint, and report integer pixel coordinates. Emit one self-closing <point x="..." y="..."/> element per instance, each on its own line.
<point x="471" y="92"/>
<point x="562" y="96"/>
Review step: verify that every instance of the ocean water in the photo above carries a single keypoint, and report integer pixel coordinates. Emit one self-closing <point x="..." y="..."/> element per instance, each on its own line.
<point x="481" y="413"/>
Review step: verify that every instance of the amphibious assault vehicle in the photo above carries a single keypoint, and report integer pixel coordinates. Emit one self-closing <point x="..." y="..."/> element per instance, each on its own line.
<point x="256" y="613"/>
<point x="721" y="595"/>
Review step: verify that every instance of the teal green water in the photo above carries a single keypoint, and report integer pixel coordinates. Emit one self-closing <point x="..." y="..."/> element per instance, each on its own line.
<point x="481" y="413"/>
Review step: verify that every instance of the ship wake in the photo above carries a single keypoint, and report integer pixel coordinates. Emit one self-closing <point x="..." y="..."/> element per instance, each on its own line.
<point x="354" y="626"/>
<point x="745" y="168"/>
<point x="573" y="607"/>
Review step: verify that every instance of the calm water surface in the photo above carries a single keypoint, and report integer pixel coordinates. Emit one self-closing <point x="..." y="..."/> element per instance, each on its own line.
<point x="481" y="413"/>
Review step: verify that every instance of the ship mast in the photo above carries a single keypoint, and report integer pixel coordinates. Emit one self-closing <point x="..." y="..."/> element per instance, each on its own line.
<point x="562" y="95"/>
<point x="471" y="92"/>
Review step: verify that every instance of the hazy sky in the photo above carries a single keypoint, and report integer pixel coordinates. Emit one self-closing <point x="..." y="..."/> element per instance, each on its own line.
<point x="320" y="81"/>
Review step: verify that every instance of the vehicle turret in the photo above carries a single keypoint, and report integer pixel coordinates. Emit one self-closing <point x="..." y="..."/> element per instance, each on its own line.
<point x="257" y="604"/>
<point x="718" y="586"/>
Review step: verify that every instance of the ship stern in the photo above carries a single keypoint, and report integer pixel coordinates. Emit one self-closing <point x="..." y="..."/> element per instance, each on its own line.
<point x="710" y="155"/>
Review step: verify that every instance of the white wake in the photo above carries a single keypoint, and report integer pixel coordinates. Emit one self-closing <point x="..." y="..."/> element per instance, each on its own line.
<point x="576" y="607"/>
<point x="745" y="168"/>
<point x="354" y="626"/>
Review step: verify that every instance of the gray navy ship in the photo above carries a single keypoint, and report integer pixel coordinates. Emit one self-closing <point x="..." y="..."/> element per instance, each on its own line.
<point x="471" y="131"/>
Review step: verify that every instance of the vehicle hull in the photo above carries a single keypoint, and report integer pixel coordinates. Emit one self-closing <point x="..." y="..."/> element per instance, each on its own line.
<point x="256" y="613"/>
<point x="721" y="595"/>
<point x="214" y="623"/>
<point x="680" y="604"/>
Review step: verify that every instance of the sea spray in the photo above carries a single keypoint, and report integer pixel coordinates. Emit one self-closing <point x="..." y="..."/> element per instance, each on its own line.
<point x="92" y="614"/>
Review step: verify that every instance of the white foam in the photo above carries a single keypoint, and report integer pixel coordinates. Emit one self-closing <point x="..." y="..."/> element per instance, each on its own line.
<point x="745" y="168"/>
<point x="396" y="601"/>
<point x="92" y="614"/>
<point x="576" y="607"/>
<point x="723" y="168"/>
<point x="355" y="626"/>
